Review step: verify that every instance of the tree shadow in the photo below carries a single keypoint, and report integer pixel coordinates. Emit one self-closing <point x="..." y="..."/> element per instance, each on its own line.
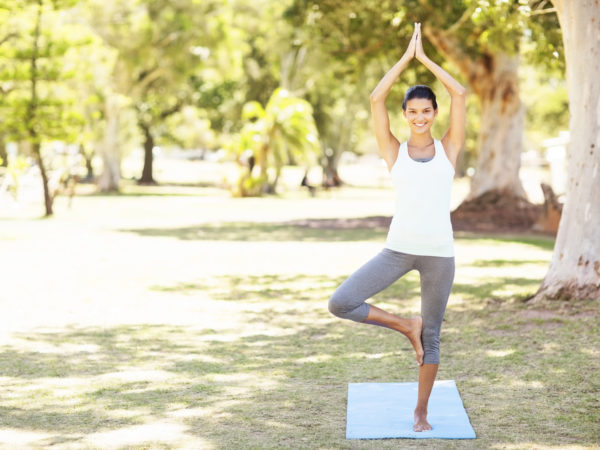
<point x="311" y="230"/>
<point x="540" y="241"/>
<point x="281" y="381"/>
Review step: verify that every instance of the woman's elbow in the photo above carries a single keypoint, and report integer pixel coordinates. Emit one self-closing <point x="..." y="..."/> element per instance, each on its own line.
<point x="460" y="91"/>
<point x="376" y="97"/>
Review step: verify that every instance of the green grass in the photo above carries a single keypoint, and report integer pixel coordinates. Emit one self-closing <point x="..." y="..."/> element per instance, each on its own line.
<point x="183" y="329"/>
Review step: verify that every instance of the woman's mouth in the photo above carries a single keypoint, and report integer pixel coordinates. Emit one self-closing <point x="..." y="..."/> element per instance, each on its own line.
<point x="420" y="125"/>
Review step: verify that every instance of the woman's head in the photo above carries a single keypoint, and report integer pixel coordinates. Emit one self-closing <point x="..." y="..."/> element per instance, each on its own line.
<point x="419" y="91"/>
<point x="420" y="108"/>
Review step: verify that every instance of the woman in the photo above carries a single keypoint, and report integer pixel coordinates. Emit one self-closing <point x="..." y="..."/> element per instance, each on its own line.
<point x="420" y="235"/>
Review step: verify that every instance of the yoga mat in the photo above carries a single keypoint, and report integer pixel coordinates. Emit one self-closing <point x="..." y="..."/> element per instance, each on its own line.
<point x="385" y="410"/>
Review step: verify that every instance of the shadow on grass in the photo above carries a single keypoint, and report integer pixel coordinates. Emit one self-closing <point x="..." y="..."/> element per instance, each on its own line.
<point x="280" y="381"/>
<point x="506" y="262"/>
<point x="327" y="230"/>
<point x="541" y="241"/>
<point x="498" y="288"/>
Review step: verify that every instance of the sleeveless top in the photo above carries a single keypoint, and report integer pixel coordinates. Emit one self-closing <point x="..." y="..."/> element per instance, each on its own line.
<point x="421" y="223"/>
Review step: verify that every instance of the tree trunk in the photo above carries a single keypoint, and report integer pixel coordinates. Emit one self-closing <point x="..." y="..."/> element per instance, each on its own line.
<point x="89" y="176"/>
<point x="40" y="162"/>
<point x="494" y="79"/>
<point x="3" y="152"/>
<point x="109" y="148"/>
<point x="331" y="177"/>
<point x="147" y="177"/>
<point x="501" y="131"/>
<point x="574" y="271"/>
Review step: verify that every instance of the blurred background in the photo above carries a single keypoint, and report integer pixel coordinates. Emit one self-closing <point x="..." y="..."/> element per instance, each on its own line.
<point x="184" y="183"/>
<point x="262" y="97"/>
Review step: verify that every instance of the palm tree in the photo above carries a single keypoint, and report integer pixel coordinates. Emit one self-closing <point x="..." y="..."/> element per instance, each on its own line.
<point x="282" y="132"/>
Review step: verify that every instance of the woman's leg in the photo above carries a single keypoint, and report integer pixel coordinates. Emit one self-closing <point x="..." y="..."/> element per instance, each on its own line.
<point x="348" y="301"/>
<point x="437" y="276"/>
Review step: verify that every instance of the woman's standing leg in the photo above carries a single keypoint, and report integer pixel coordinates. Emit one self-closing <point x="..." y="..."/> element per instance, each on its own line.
<point x="437" y="276"/>
<point x="348" y="301"/>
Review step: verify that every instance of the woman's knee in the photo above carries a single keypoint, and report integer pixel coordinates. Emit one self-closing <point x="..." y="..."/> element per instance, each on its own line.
<point x="345" y="307"/>
<point x="337" y="305"/>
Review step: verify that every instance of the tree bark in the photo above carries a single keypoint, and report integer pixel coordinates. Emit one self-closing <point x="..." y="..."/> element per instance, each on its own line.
<point x="32" y="109"/>
<point x="500" y="140"/>
<point x="147" y="176"/>
<point x="574" y="271"/>
<point x="109" y="148"/>
<point x="48" y="198"/>
<point x="494" y="79"/>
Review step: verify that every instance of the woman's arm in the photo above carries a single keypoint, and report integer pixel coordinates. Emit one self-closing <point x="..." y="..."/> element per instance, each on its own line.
<point x="454" y="138"/>
<point x="386" y="141"/>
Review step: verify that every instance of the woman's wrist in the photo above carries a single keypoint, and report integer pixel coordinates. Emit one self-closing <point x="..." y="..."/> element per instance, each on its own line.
<point x="406" y="57"/>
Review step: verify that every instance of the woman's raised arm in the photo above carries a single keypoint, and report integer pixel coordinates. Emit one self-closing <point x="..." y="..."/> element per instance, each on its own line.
<point x="454" y="138"/>
<point x="386" y="141"/>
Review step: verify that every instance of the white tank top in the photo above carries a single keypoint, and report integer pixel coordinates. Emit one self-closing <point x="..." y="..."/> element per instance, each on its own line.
<point x="421" y="223"/>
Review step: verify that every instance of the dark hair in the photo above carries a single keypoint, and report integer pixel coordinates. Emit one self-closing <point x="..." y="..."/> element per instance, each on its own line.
<point x="419" y="91"/>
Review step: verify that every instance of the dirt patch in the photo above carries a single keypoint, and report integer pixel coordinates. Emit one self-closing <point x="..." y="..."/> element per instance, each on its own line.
<point x="372" y="222"/>
<point x="493" y="212"/>
<point x="496" y="211"/>
<point x="540" y="314"/>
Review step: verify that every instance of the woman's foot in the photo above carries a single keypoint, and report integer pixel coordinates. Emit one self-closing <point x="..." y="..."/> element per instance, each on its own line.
<point x="421" y="423"/>
<point x="411" y="328"/>
<point x="414" y="335"/>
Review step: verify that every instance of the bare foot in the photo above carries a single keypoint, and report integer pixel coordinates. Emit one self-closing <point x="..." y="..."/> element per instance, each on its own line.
<point x="421" y="423"/>
<point x="414" y="335"/>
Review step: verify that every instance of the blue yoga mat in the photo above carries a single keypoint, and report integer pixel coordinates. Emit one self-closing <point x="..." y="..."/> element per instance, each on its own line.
<point x="385" y="410"/>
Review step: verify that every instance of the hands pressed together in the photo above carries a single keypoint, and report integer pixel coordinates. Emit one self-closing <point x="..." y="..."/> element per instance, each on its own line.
<point x="415" y="46"/>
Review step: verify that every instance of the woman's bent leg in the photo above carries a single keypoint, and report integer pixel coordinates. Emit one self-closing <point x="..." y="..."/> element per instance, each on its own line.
<point x="349" y="300"/>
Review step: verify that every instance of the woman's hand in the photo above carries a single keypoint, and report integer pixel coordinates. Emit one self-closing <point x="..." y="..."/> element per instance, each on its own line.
<point x="419" y="53"/>
<point x="412" y="45"/>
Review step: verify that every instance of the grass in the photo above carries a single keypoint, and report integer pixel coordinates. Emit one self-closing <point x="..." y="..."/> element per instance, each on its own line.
<point x="182" y="321"/>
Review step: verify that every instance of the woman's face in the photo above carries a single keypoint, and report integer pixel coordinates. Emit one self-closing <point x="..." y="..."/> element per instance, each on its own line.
<point x="420" y="115"/>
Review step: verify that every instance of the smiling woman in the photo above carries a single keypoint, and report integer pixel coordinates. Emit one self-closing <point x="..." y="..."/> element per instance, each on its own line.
<point x="420" y="235"/>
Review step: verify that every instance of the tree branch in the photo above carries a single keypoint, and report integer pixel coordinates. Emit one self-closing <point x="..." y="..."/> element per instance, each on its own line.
<point x="466" y="15"/>
<point x="172" y="110"/>
<point x="7" y="37"/>
<point x="558" y="5"/>
<point x="543" y="11"/>
<point x="450" y="49"/>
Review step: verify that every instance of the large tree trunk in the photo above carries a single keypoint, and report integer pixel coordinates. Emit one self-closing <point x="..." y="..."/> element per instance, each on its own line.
<point x="574" y="271"/>
<point x="109" y="148"/>
<point x="494" y="79"/>
<point x="36" y="148"/>
<point x="147" y="176"/>
<point x="501" y="130"/>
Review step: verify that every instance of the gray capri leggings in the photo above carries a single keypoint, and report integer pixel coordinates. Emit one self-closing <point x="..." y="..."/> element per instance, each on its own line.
<point x="437" y="275"/>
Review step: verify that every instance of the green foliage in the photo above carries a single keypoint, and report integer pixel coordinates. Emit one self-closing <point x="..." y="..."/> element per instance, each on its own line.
<point x="38" y="102"/>
<point x="357" y="41"/>
<point x="14" y="170"/>
<point x="547" y="105"/>
<point x="282" y="132"/>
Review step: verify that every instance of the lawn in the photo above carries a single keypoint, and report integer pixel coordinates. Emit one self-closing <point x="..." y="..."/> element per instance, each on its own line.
<point x="178" y="317"/>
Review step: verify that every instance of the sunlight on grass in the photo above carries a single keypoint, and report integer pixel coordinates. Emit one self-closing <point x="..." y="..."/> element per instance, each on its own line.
<point x="180" y="321"/>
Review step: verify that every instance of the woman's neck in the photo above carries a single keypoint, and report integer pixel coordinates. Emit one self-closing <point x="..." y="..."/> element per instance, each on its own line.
<point x="420" y="140"/>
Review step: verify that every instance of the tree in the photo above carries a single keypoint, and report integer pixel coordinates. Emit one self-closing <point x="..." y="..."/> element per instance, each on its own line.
<point x="161" y="46"/>
<point x="284" y="130"/>
<point x="574" y="271"/>
<point x="480" y="38"/>
<point x="39" y="106"/>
